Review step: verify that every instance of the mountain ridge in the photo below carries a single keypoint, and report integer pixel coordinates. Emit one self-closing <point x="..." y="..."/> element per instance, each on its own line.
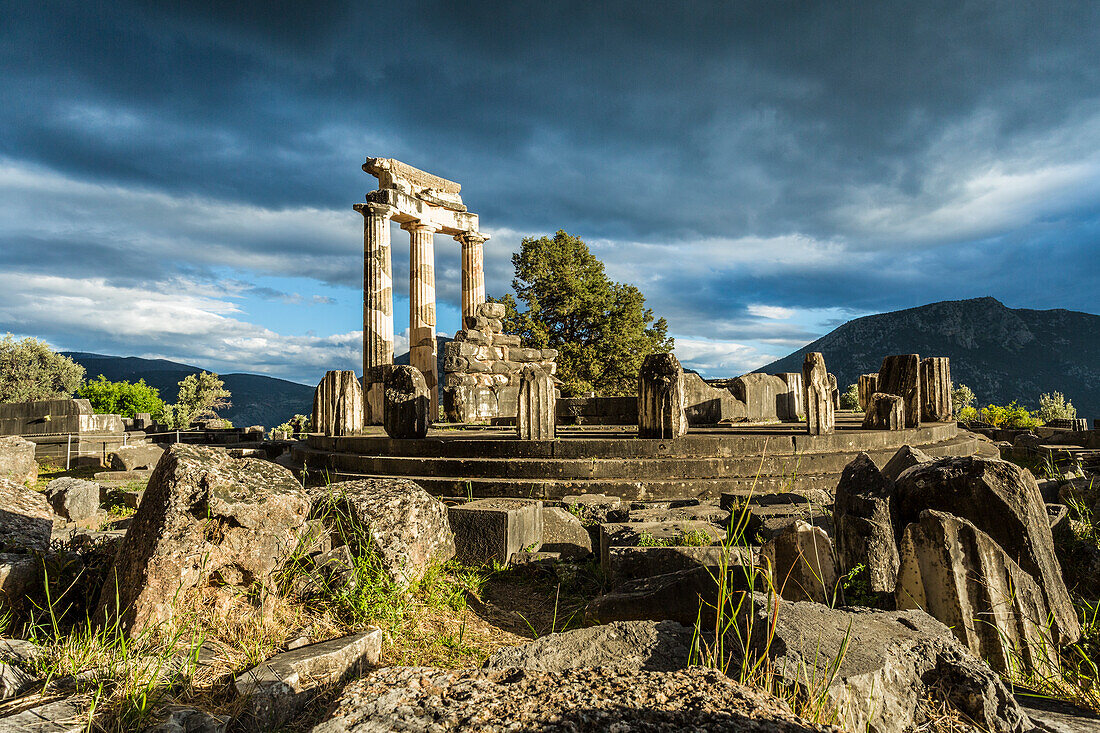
<point x="1001" y="353"/>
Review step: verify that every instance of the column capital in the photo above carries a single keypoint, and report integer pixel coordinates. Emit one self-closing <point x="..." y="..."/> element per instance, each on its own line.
<point x="418" y="225"/>
<point x="471" y="237"/>
<point x="372" y="209"/>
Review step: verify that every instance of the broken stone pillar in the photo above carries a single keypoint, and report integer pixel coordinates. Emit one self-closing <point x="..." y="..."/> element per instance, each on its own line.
<point x="818" y="398"/>
<point x="473" y="272"/>
<point x="661" y="398"/>
<point x="900" y="375"/>
<point x="801" y="562"/>
<point x="834" y="393"/>
<point x="423" y="351"/>
<point x="935" y="389"/>
<point x="537" y="404"/>
<point x="962" y="577"/>
<point x="406" y="396"/>
<point x="862" y="527"/>
<point x="884" y="412"/>
<point x="868" y="385"/>
<point x="377" y="301"/>
<point x="338" y="404"/>
<point x="792" y="401"/>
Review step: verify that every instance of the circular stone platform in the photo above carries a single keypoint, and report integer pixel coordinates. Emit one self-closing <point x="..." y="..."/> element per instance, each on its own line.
<point x="707" y="462"/>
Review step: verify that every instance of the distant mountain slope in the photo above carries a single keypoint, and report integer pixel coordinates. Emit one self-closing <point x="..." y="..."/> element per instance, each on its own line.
<point x="1001" y="353"/>
<point x="257" y="400"/>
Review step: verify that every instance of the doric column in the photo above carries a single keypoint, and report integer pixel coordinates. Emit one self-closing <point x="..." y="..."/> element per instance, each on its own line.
<point x="473" y="272"/>
<point x="422" y="346"/>
<point x="377" y="285"/>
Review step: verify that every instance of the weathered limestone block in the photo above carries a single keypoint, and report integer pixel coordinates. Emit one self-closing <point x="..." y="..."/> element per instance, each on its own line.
<point x="790" y="404"/>
<point x="535" y="418"/>
<point x="206" y="519"/>
<point x="884" y="412"/>
<point x="935" y="389"/>
<point x="26" y="521"/>
<point x="655" y="645"/>
<point x="284" y="684"/>
<point x="820" y="413"/>
<point x="905" y="457"/>
<point x="14" y="680"/>
<point x="762" y="395"/>
<point x="67" y="715"/>
<point x="564" y="533"/>
<point x="862" y="527"/>
<point x="959" y="575"/>
<point x="705" y="404"/>
<point x="491" y="310"/>
<point x="675" y="596"/>
<point x="867" y="385"/>
<point x="670" y="533"/>
<point x="403" y="526"/>
<point x="593" y="507"/>
<point x="661" y="398"/>
<point x="495" y="529"/>
<point x="135" y="457"/>
<point x="900" y="375"/>
<point x="834" y="392"/>
<point x="877" y="667"/>
<point x="338" y="404"/>
<point x="17" y="460"/>
<point x="801" y="563"/>
<point x="73" y="498"/>
<point x="1002" y="500"/>
<point x="19" y="574"/>
<point x="631" y="563"/>
<point x="406" y="407"/>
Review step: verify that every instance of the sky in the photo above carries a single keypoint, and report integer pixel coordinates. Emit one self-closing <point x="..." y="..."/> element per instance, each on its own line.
<point x="177" y="178"/>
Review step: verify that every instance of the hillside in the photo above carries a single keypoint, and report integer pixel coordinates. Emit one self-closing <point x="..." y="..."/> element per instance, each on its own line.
<point x="1001" y="353"/>
<point x="257" y="400"/>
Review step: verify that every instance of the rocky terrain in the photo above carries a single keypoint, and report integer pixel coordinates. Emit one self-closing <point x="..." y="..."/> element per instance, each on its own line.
<point x="1002" y="353"/>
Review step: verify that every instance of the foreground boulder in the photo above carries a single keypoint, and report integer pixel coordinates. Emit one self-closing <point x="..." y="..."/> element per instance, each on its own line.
<point x="395" y="521"/>
<point x="661" y="646"/>
<point x="874" y="667"/>
<point x="801" y="562"/>
<point x="861" y="521"/>
<point x="135" y="457"/>
<point x="205" y="519"/>
<point x="511" y="699"/>
<point x="959" y="575"/>
<point x="26" y="521"/>
<point x="1002" y="500"/>
<point x="73" y="498"/>
<point x="17" y="460"/>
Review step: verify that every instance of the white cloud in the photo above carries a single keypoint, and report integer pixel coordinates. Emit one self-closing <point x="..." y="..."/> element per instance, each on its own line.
<point x="770" y="311"/>
<point x="720" y="358"/>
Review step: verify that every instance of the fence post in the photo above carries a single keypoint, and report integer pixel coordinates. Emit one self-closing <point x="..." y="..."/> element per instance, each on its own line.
<point x="177" y="436"/>
<point x="68" y="451"/>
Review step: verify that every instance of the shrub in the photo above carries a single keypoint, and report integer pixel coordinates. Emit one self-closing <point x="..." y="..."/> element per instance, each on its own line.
<point x="1055" y="406"/>
<point x="199" y="396"/>
<point x="962" y="397"/>
<point x="30" y="370"/>
<point x="1012" y="415"/>
<point x="849" y="399"/>
<point x="122" y="398"/>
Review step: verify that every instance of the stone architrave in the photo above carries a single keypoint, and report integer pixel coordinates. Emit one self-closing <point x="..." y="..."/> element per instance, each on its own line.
<point x="867" y="385"/>
<point x="818" y="399"/>
<point x="960" y="576"/>
<point x="900" y="375"/>
<point x="661" y="398"/>
<point x="338" y="404"/>
<point x="473" y="272"/>
<point x="423" y="351"/>
<point x="377" y="300"/>
<point x="1002" y="500"/>
<point x="862" y="528"/>
<point x="537" y="404"/>
<point x="405" y="412"/>
<point x="935" y="389"/>
<point x="792" y="405"/>
<point x="884" y="412"/>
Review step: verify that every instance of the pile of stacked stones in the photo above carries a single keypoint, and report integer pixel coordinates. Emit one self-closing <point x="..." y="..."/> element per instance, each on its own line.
<point x="482" y="367"/>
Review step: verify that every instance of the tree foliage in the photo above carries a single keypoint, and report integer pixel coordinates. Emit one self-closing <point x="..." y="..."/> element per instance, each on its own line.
<point x="1055" y="406"/>
<point x="601" y="329"/>
<point x="200" y="396"/>
<point x="30" y="370"/>
<point x="962" y="397"/>
<point x="122" y="398"/>
<point x="849" y="398"/>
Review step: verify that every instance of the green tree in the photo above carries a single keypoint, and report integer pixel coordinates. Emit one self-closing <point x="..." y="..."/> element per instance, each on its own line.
<point x="1055" y="406"/>
<point x="200" y="396"/>
<point x="31" y="370"/>
<point x="601" y="329"/>
<point x="849" y="398"/>
<point x="122" y="398"/>
<point x="962" y="397"/>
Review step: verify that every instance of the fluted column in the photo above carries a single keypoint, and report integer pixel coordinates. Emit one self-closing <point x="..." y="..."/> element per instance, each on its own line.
<point x="377" y="297"/>
<point x="473" y="272"/>
<point x="422" y="346"/>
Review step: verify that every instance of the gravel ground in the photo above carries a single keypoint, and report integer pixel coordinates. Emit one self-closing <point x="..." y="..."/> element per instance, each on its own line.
<point x="422" y="699"/>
